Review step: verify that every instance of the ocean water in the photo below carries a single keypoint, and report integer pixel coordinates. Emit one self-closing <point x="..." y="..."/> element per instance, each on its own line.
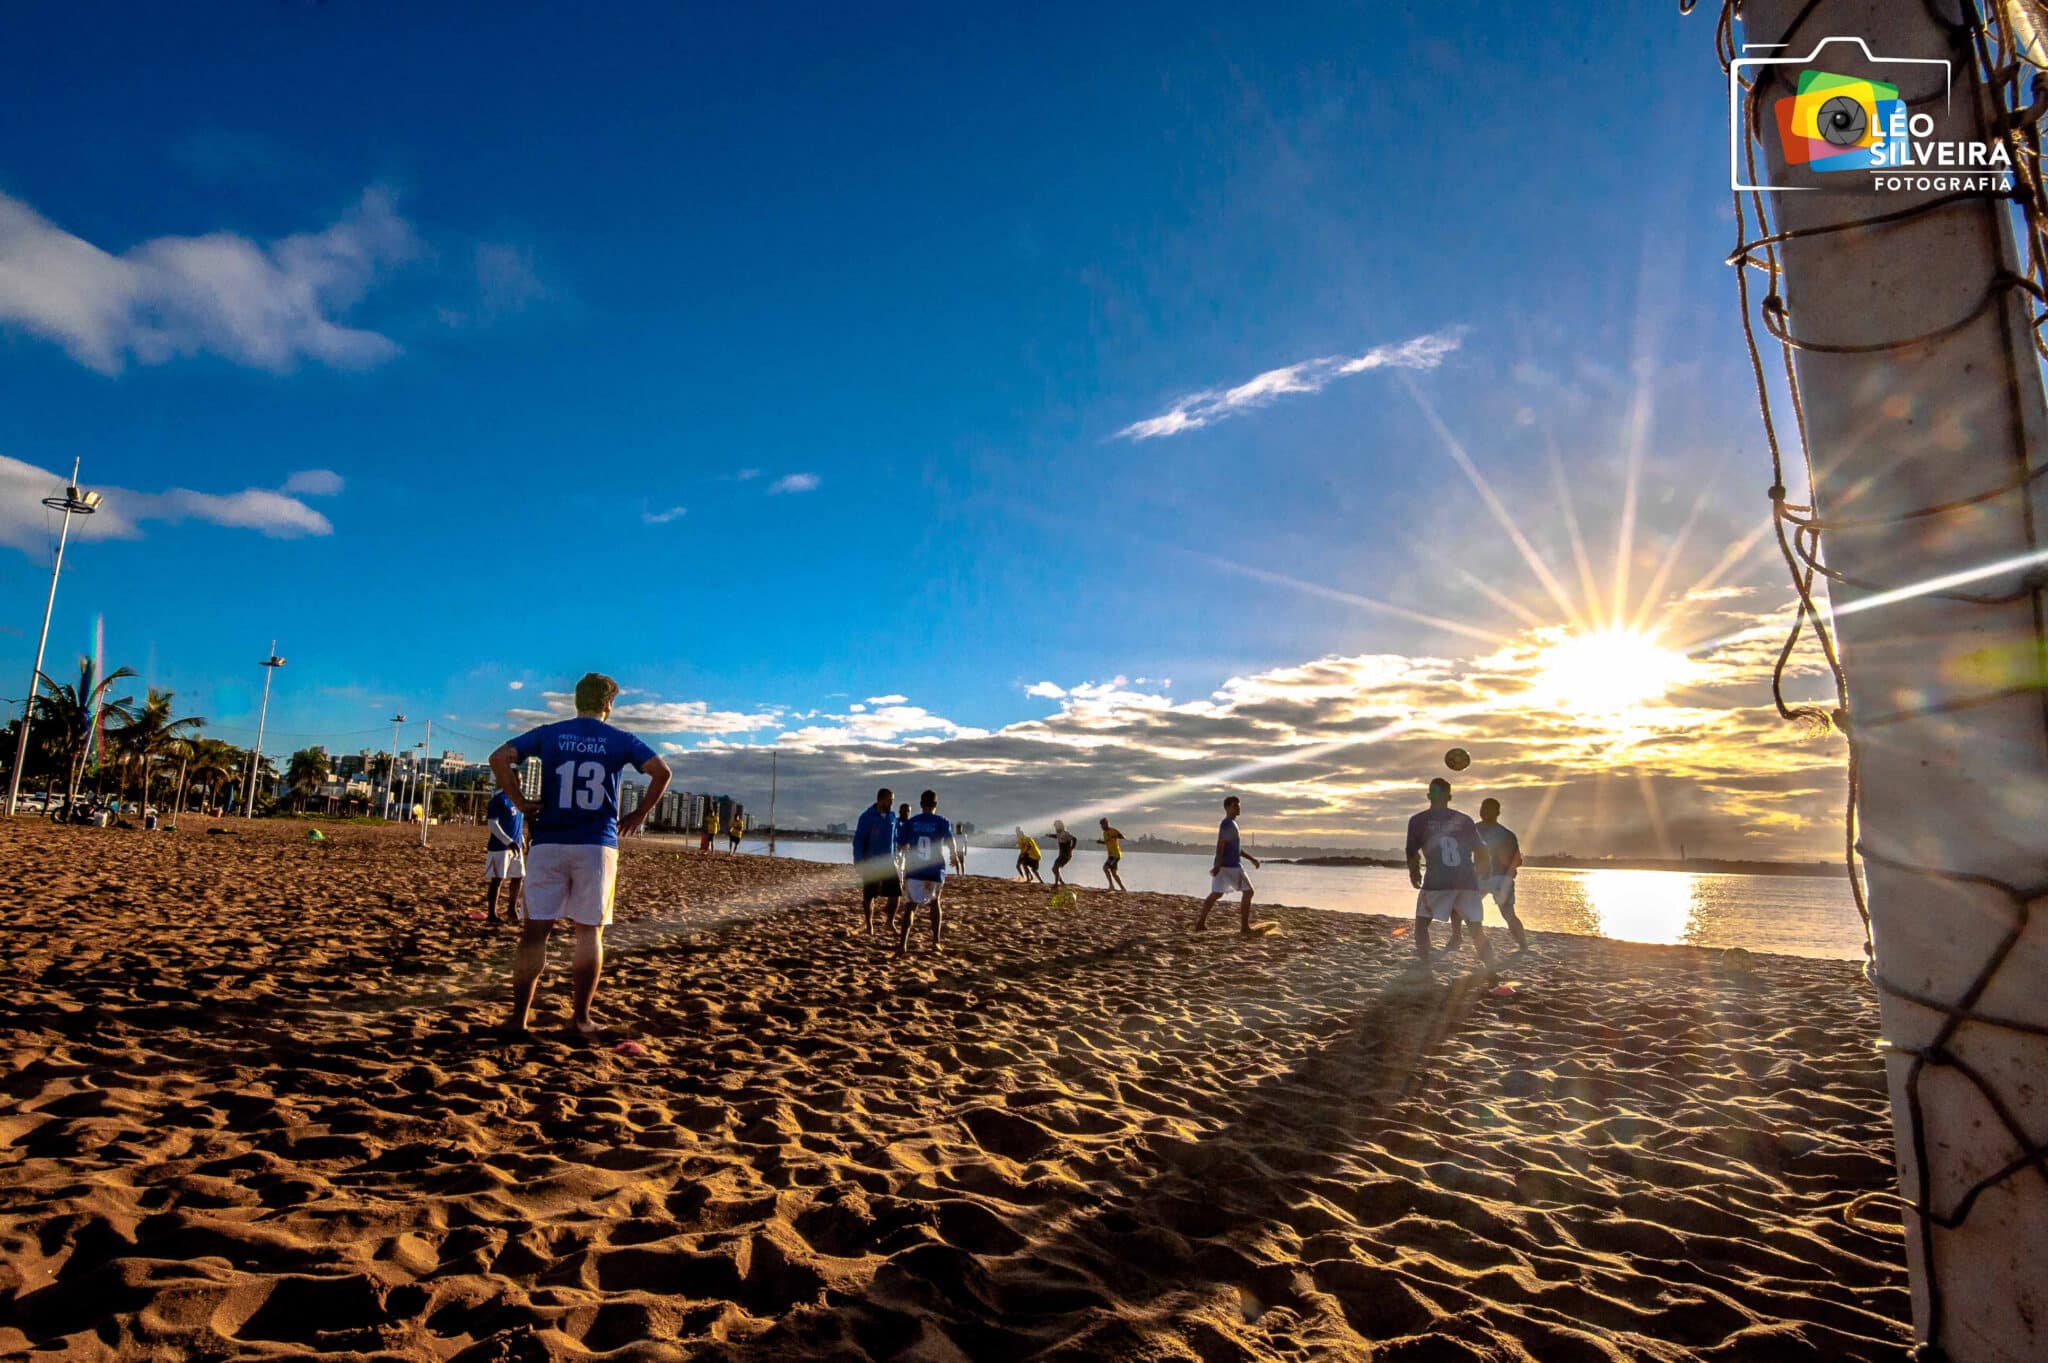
<point x="1793" y="915"/>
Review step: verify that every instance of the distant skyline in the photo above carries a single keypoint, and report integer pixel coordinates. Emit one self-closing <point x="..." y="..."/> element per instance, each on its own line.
<point x="1080" y="412"/>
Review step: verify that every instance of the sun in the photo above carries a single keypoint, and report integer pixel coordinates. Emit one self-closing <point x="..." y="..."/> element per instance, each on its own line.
<point x="1603" y="671"/>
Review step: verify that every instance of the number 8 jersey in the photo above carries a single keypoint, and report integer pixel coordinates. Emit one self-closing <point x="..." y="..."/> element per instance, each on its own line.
<point x="581" y="759"/>
<point x="1449" y="842"/>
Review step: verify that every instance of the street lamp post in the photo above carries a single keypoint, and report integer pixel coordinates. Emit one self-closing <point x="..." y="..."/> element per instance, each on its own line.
<point x="76" y="501"/>
<point x="426" y="784"/>
<point x="391" y="771"/>
<point x="270" y="666"/>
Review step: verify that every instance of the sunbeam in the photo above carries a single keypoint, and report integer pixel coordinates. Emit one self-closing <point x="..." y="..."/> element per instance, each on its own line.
<point x="1458" y="456"/>
<point x="1580" y="556"/>
<point x="1653" y="595"/>
<point x="1338" y="594"/>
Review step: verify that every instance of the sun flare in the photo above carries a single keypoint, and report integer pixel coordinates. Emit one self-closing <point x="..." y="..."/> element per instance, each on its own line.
<point x="1602" y="671"/>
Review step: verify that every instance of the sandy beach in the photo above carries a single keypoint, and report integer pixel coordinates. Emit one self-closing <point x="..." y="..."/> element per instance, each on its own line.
<point x="255" y="1107"/>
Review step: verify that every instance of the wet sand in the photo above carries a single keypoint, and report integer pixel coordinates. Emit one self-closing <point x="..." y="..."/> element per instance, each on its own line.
<point x="254" y="1107"/>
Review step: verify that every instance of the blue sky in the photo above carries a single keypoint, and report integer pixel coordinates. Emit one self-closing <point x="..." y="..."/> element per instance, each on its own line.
<point x="779" y="363"/>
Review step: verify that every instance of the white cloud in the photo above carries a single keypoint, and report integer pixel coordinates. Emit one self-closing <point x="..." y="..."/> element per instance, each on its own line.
<point x="517" y="685"/>
<point x="314" y="483"/>
<point x="663" y="517"/>
<point x="506" y="283"/>
<point x="658" y="717"/>
<point x="264" y="305"/>
<point x="25" y="524"/>
<point x="506" y="279"/>
<point x="1309" y="376"/>
<point x="1046" y="690"/>
<point x="794" y="482"/>
<point x="747" y="475"/>
<point x="885" y="723"/>
<point x="1334" y="750"/>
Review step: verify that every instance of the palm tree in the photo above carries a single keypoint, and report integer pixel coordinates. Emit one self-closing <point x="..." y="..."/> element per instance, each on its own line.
<point x="77" y="713"/>
<point x="213" y="764"/>
<point x="307" y="772"/>
<point x="151" y="733"/>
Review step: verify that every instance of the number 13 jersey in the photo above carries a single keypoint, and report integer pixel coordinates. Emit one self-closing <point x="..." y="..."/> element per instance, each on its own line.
<point x="580" y="759"/>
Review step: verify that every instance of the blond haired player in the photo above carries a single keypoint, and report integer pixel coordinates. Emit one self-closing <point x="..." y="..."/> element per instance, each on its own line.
<point x="572" y="866"/>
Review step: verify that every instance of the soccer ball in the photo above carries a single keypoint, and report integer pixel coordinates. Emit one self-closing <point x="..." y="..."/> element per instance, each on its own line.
<point x="1457" y="759"/>
<point x="1064" y="898"/>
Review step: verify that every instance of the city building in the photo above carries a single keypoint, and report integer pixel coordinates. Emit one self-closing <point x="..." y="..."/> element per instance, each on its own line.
<point x="529" y="778"/>
<point x="629" y="797"/>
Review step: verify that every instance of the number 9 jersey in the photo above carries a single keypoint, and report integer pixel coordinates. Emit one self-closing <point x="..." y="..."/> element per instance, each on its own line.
<point x="581" y="759"/>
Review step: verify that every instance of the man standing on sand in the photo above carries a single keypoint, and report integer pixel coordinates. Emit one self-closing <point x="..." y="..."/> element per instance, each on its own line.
<point x="1027" y="858"/>
<point x="1504" y="850"/>
<point x="1227" y="875"/>
<point x="733" y="831"/>
<point x="710" y="828"/>
<point x="1457" y="862"/>
<point x="925" y="839"/>
<point x="504" y="855"/>
<point x="874" y="856"/>
<point x="1112" y="854"/>
<point x="573" y="868"/>
<point x="1066" y="842"/>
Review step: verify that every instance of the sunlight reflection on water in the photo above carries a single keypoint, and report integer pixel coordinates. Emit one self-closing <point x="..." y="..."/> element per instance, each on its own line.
<point x="1641" y="906"/>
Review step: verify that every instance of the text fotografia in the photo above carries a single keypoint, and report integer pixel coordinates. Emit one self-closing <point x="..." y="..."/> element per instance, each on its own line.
<point x="1943" y="184"/>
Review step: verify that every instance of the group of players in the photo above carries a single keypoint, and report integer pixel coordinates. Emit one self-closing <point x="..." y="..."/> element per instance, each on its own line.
<point x="1453" y="863"/>
<point x="567" y="861"/>
<point x="1028" y="855"/>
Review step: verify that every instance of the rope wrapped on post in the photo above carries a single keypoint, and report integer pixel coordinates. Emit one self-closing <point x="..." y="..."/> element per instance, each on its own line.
<point x="2019" y="93"/>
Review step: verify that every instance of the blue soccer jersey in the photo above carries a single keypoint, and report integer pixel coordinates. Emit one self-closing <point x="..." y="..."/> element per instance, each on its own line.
<point x="924" y="840"/>
<point x="1502" y="846"/>
<point x="503" y="814"/>
<point x="1449" y="843"/>
<point x="1229" y="851"/>
<point x="581" y="759"/>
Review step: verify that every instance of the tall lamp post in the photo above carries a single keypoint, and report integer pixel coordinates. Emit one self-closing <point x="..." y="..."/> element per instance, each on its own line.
<point x="76" y="501"/>
<point x="426" y="784"/>
<point x="391" y="772"/>
<point x="270" y="666"/>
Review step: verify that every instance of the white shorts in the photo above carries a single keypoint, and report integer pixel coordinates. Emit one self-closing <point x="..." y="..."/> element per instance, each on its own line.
<point x="1502" y="888"/>
<point x="1230" y="880"/>
<point x="921" y="891"/>
<point x="507" y="865"/>
<point x="572" y="881"/>
<point x="1442" y="905"/>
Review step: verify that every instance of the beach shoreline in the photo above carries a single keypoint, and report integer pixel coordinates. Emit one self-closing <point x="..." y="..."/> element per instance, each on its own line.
<point x="256" y="1107"/>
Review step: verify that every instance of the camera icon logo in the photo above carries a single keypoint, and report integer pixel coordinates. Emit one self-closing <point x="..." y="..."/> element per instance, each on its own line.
<point x="1838" y="122"/>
